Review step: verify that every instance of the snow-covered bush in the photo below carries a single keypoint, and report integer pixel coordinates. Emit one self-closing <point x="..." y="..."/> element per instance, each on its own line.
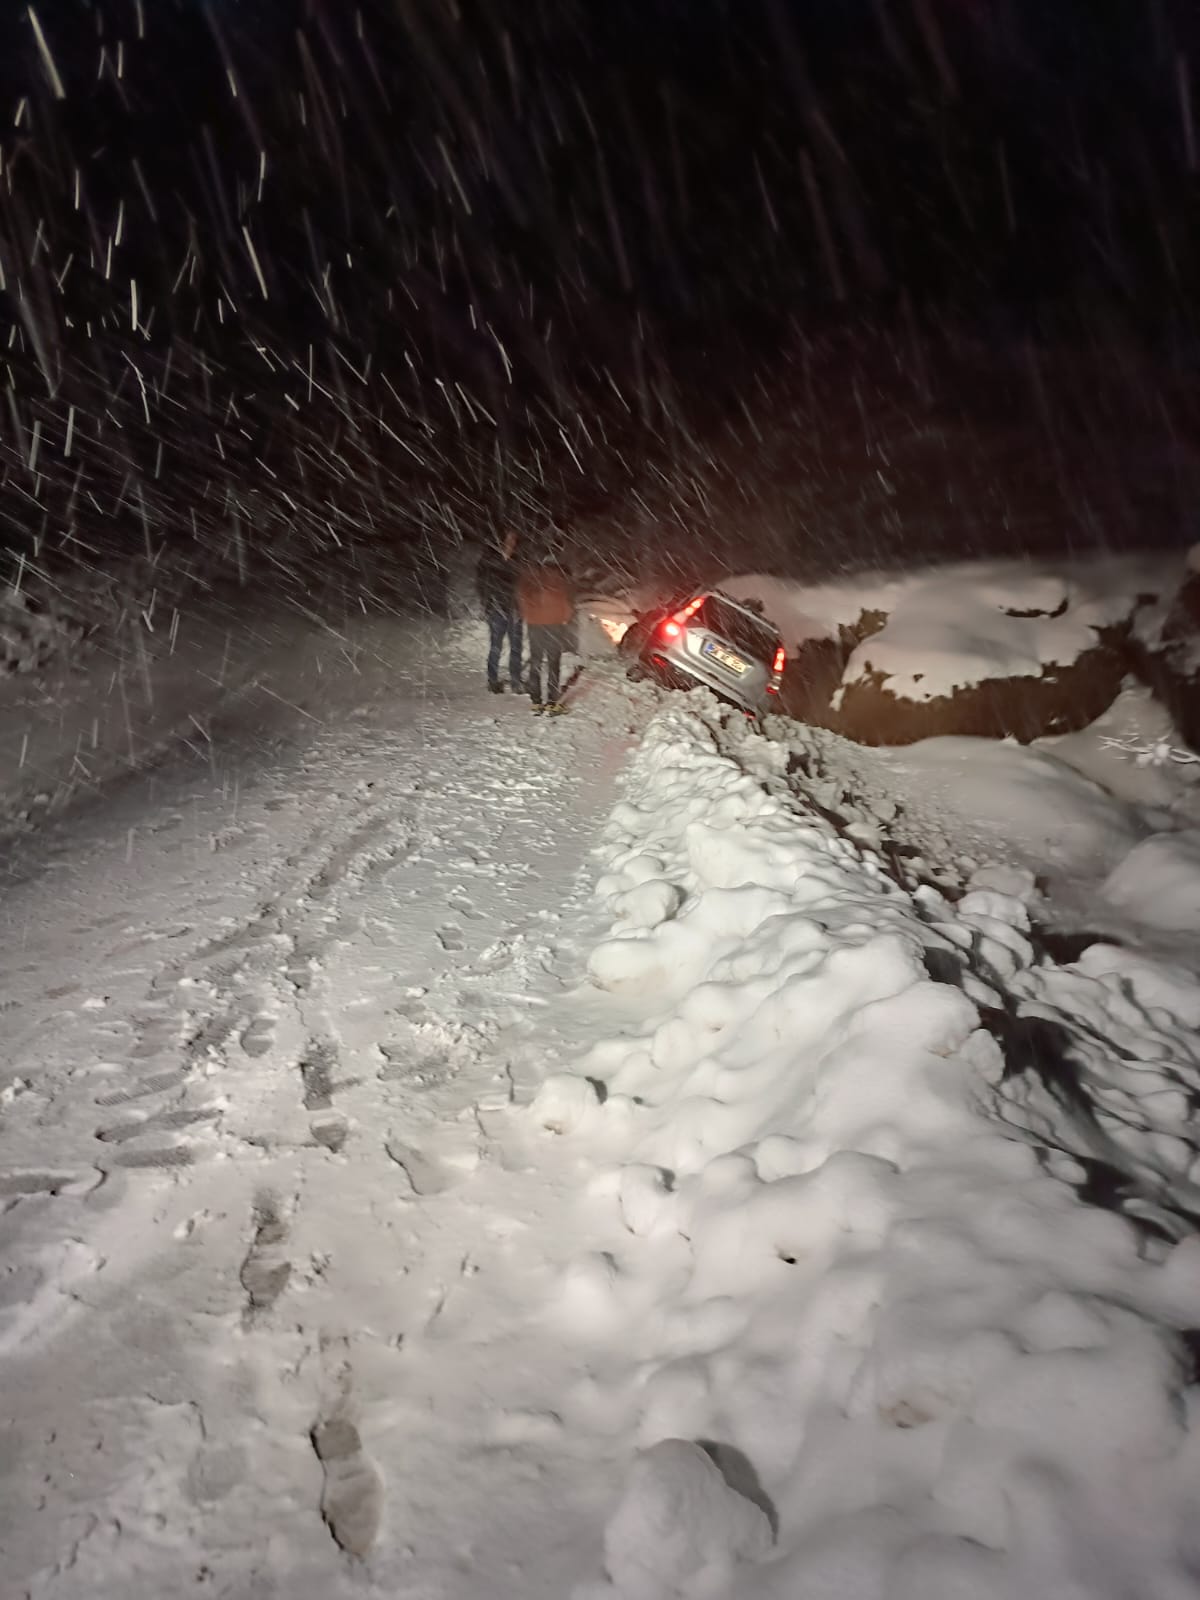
<point x="31" y="635"/>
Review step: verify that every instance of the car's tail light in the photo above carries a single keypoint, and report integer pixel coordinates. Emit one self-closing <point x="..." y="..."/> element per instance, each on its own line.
<point x="674" y="625"/>
<point x="777" y="667"/>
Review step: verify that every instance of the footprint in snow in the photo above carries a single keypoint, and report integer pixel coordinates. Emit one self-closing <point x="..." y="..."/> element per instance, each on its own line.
<point x="317" y="1067"/>
<point x="256" y="1039"/>
<point x="266" y="1269"/>
<point x="135" y="1127"/>
<point x="158" y="1083"/>
<point x="331" y="1130"/>
<point x="414" y="1011"/>
<point x="429" y="1175"/>
<point x="161" y="1160"/>
<point x="451" y="938"/>
<point x="352" y="1494"/>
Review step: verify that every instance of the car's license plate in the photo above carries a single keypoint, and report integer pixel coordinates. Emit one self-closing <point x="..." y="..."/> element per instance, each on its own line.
<point x="727" y="658"/>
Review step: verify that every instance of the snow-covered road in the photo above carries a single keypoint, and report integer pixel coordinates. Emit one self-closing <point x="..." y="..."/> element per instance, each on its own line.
<point x="451" y="1154"/>
<point x="265" y="1258"/>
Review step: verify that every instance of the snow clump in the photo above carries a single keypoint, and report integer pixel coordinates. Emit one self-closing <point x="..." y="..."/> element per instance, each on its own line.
<point x="900" y="1217"/>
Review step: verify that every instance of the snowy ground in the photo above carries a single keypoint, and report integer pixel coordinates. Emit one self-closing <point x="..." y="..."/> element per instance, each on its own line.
<point x="255" y="1006"/>
<point x="844" y="1153"/>
<point x="415" y="1109"/>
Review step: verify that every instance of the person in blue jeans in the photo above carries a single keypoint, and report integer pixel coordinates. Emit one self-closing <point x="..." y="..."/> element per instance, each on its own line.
<point x="548" y="607"/>
<point x="496" y="584"/>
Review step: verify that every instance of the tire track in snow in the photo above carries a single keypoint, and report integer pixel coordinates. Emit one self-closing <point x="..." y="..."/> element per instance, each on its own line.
<point x="245" y="974"/>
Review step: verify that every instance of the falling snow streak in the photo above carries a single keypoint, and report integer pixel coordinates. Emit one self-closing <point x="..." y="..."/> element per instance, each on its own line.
<point x="370" y="279"/>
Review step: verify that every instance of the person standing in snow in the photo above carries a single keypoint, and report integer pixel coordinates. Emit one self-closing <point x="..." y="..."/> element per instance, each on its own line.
<point x="547" y="609"/>
<point x="496" y="585"/>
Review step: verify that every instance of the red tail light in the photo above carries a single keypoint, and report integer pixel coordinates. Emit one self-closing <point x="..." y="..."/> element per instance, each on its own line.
<point x="777" y="667"/>
<point x="673" y="626"/>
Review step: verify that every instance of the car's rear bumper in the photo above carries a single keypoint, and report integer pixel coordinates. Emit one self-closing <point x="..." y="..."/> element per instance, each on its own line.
<point x="754" y="698"/>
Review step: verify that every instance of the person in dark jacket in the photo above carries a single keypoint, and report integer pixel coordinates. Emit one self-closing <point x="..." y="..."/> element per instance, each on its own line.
<point x="496" y="585"/>
<point x="547" y="608"/>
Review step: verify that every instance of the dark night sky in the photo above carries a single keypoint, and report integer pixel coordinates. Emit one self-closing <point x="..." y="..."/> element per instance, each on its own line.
<point x="403" y="267"/>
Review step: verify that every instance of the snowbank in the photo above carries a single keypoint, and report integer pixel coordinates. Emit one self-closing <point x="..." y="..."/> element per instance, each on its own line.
<point x="843" y="1140"/>
<point x="967" y="625"/>
<point x="947" y="628"/>
<point x="984" y="648"/>
<point x="1158" y="882"/>
<point x="1038" y="803"/>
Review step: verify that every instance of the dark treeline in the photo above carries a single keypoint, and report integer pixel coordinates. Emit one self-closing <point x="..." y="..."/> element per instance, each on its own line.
<point x="307" y="283"/>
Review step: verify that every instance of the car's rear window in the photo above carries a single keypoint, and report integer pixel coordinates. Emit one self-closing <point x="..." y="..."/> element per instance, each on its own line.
<point x="754" y="636"/>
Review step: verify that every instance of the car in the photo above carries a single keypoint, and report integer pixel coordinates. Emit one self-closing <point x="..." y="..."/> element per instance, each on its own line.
<point x="708" y="637"/>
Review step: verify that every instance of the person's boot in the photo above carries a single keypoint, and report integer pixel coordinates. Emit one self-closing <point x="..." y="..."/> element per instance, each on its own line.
<point x="556" y="710"/>
<point x="495" y="688"/>
<point x="536" y="707"/>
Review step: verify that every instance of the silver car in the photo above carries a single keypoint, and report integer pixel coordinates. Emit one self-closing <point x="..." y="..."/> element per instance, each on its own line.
<point x="712" y="639"/>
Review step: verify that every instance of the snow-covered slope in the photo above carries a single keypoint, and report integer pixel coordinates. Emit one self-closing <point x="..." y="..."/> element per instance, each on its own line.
<point x="955" y="626"/>
<point x="846" y="1137"/>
